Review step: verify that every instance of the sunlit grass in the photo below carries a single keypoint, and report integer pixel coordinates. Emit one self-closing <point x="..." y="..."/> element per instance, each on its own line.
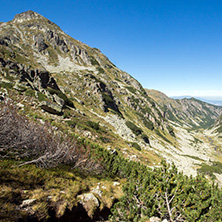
<point x="56" y="187"/>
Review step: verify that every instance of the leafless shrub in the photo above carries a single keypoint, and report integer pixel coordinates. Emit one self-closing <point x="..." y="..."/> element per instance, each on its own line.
<point x="22" y="138"/>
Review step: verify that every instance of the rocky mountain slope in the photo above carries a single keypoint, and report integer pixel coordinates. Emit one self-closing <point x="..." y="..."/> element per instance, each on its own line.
<point x="57" y="80"/>
<point x="189" y="112"/>
<point x="78" y="86"/>
<point x="195" y="124"/>
<point x="218" y="124"/>
<point x="38" y="58"/>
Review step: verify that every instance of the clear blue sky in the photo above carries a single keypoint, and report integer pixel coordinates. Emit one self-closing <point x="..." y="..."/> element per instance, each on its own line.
<point x="174" y="46"/>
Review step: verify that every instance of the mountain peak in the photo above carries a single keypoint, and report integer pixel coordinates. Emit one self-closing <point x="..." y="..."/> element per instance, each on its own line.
<point x="28" y="15"/>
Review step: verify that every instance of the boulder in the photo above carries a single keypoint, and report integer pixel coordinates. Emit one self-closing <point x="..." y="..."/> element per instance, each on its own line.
<point x="154" y="219"/>
<point x="97" y="191"/>
<point x="89" y="202"/>
<point x="28" y="202"/>
<point x="115" y="183"/>
<point x="59" y="100"/>
<point x="51" y="107"/>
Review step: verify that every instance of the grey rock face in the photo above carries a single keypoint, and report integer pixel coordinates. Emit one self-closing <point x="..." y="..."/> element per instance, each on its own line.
<point x="36" y="78"/>
<point x="40" y="43"/>
<point x="56" y="41"/>
<point x="50" y="107"/>
<point x="89" y="202"/>
<point x="102" y="92"/>
<point x="59" y="100"/>
<point x="28" y="15"/>
<point x="9" y="38"/>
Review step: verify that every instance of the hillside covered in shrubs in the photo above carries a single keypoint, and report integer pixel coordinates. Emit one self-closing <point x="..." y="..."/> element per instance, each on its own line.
<point x="27" y="147"/>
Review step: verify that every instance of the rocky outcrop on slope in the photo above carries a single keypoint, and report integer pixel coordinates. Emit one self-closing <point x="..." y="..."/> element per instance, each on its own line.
<point x="40" y="44"/>
<point x="38" y="79"/>
<point x="23" y="78"/>
<point x="218" y="125"/>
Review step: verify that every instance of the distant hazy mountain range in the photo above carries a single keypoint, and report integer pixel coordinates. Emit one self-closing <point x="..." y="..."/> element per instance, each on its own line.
<point x="212" y="100"/>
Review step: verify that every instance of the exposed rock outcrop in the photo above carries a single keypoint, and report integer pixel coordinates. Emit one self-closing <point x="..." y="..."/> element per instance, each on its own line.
<point x="89" y="202"/>
<point x="51" y="107"/>
<point x="40" y="43"/>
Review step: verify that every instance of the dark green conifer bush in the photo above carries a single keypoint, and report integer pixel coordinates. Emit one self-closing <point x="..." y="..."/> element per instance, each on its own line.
<point x="145" y="138"/>
<point x="167" y="194"/>
<point x="135" y="129"/>
<point x="136" y="146"/>
<point x="67" y="101"/>
<point x="93" y="125"/>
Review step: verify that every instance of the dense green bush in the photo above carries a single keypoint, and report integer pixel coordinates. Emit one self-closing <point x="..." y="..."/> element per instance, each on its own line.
<point x="67" y="101"/>
<point x="145" y="138"/>
<point x="162" y="192"/>
<point x="131" y="89"/>
<point x="93" y="61"/>
<point x="148" y="193"/>
<point x="167" y="194"/>
<point x="136" y="146"/>
<point x="93" y="125"/>
<point x="170" y="130"/>
<point x="135" y="129"/>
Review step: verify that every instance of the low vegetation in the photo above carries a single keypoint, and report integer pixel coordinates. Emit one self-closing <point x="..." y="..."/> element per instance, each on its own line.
<point x="131" y="89"/>
<point x="215" y="167"/>
<point x="135" y="129"/>
<point x="93" y="125"/>
<point x="67" y="101"/>
<point x="54" y="191"/>
<point x="162" y="136"/>
<point x="171" y="131"/>
<point x="136" y="146"/>
<point x="37" y="143"/>
<point x="167" y="194"/>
